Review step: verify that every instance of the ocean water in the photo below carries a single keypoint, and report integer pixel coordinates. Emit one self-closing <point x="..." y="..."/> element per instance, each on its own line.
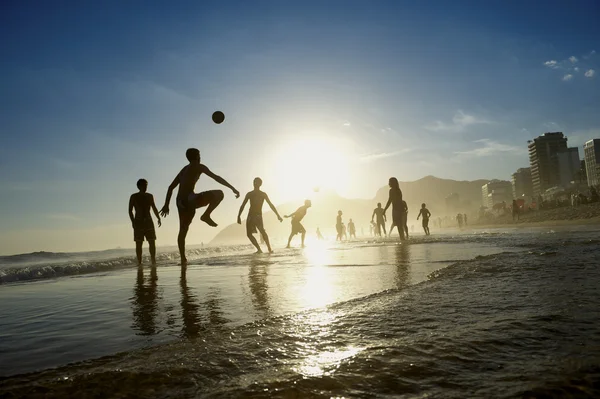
<point x="497" y="313"/>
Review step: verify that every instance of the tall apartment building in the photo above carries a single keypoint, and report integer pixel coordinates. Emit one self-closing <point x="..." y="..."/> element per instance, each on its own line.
<point x="521" y="183"/>
<point x="568" y="165"/>
<point x="591" y="154"/>
<point x="543" y="160"/>
<point x="495" y="192"/>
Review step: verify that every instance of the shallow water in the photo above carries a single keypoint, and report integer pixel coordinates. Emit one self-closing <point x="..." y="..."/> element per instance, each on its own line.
<point x="523" y="322"/>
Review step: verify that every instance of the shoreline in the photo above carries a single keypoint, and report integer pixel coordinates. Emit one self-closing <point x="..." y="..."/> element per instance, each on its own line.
<point x="544" y="223"/>
<point x="587" y="214"/>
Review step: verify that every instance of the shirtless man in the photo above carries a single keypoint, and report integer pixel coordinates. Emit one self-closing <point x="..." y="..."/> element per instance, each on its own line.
<point x="142" y="223"/>
<point x="188" y="201"/>
<point x="381" y="219"/>
<point x="426" y="215"/>
<point x="296" y="219"/>
<point x="352" y="229"/>
<point x="255" y="220"/>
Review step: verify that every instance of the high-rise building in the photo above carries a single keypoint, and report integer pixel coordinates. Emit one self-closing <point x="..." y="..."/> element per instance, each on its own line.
<point x="495" y="192"/>
<point x="568" y="165"/>
<point x="543" y="160"/>
<point x="521" y="183"/>
<point x="591" y="154"/>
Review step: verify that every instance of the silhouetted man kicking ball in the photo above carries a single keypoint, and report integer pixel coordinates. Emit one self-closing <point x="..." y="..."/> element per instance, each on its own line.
<point x="255" y="219"/>
<point x="296" y="219"/>
<point x="143" y="227"/>
<point x="188" y="201"/>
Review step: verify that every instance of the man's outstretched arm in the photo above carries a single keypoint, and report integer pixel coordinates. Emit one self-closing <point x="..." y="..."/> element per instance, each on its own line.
<point x="155" y="210"/>
<point x="220" y="180"/>
<point x="131" y="209"/>
<point x="165" y="209"/>
<point x="272" y="207"/>
<point x="239" y="218"/>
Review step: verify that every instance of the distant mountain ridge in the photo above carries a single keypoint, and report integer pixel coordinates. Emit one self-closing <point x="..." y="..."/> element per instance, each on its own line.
<point x="429" y="189"/>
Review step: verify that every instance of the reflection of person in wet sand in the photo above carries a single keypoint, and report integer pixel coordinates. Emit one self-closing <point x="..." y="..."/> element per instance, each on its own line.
<point x="188" y="201"/>
<point x="255" y="218"/>
<point x="381" y="219"/>
<point x="142" y="223"/>
<point x="189" y="309"/>
<point x="339" y="226"/>
<point x="426" y="215"/>
<point x="402" y="277"/>
<point x="352" y="229"/>
<point x="257" y="281"/>
<point x="144" y="303"/>
<point x="296" y="219"/>
<point x="395" y="199"/>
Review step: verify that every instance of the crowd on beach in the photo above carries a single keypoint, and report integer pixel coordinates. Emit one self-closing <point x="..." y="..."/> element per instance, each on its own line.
<point x="142" y="203"/>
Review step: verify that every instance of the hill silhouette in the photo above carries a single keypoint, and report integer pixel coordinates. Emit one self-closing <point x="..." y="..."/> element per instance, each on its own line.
<point x="431" y="190"/>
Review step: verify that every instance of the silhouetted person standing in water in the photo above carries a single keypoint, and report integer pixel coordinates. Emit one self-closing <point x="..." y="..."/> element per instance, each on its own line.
<point x="459" y="219"/>
<point x="188" y="201"/>
<point x="515" y="210"/>
<point x="142" y="223"/>
<point x="405" y="208"/>
<point x="339" y="226"/>
<point x="395" y="199"/>
<point x="255" y="219"/>
<point x="381" y="219"/>
<point x="426" y="215"/>
<point x="352" y="229"/>
<point x="319" y="235"/>
<point x="465" y="218"/>
<point x="296" y="219"/>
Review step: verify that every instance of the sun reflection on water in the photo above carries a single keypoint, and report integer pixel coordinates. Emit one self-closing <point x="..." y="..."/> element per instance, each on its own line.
<point x="326" y="363"/>
<point x="318" y="289"/>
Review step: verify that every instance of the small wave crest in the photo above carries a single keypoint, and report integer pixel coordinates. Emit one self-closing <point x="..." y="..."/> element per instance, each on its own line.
<point x="48" y="270"/>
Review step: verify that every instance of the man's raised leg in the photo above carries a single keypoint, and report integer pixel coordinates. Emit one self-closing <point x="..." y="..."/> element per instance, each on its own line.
<point x="211" y="198"/>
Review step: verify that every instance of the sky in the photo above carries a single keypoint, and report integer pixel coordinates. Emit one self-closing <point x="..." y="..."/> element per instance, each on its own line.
<point x="336" y="94"/>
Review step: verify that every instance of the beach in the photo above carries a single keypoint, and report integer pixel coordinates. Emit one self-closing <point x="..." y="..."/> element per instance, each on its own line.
<point x="585" y="214"/>
<point x="504" y="312"/>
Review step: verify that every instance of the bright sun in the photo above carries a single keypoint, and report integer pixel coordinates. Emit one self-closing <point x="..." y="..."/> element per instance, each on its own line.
<point x="303" y="164"/>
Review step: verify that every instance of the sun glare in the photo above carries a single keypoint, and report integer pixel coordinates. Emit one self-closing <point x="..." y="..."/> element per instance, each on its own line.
<point x="303" y="166"/>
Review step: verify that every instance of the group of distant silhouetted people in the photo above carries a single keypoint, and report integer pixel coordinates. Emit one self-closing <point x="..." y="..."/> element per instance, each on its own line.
<point x="188" y="201"/>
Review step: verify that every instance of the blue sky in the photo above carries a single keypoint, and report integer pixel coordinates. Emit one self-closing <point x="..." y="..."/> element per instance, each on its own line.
<point x="95" y="96"/>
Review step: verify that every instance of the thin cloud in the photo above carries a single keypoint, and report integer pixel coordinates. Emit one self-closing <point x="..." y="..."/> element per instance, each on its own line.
<point x="490" y="148"/>
<point x="573" y="59"/>
<point x="381" y="155"/>
<point x="460" y="121"/>
<point x="551" y="64"/>
<point x="567" y="77"/>
<point x="590" y="73"/>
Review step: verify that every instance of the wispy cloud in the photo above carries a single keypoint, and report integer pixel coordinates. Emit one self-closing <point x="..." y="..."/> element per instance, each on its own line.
<point x="572" y="66"/>
<point x="382" y="155"/>
<point x="489" y="147"/>
<point x="63" y="216"/>
<point x="460" y="122"/>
